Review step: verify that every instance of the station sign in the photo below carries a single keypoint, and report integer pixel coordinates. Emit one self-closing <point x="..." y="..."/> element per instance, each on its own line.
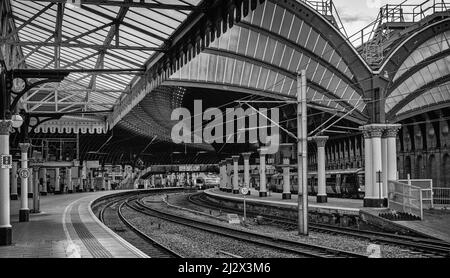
<point x="92" y="164"/>
<point x="233" y="219"/>
<point x="6" y="161"/>
<point x="24" y="173"/>
<point x="189" y="168"/>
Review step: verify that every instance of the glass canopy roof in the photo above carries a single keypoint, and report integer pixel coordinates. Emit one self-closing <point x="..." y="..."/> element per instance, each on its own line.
<point x="55" y="35"/>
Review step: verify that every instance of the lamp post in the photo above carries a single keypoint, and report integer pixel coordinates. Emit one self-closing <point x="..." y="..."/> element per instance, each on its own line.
<point x="379" y="182"/>
<point x="6" y="122"/>
<point x="302" y="163"/>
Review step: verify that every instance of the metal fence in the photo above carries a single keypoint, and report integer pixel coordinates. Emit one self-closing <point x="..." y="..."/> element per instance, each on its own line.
<point x="405" y="198"/>
<point x="441" y="197"/>
<point x="426" y="186"/>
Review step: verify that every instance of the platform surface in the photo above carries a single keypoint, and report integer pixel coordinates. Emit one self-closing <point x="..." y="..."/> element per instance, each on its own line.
<point x="435" y="223"/>
<point x="350" y="205"/>
<point x="65" y="228"/>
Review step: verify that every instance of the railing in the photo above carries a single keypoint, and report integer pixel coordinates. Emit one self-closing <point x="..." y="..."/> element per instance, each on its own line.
<point x="327" y="8"/>
<point x="405" y="198"/>
<point x="441" y="197"/>
<point x="369" y="39"/>
<point x="402" y="12"/>
<point x="426" y="186"/>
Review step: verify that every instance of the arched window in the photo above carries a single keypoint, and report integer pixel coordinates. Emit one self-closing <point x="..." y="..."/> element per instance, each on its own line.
<point x="432" y="170"/>
<point x="407" y="167"/>
<point x="445" y="176"/>
<point x="419" y="167"/>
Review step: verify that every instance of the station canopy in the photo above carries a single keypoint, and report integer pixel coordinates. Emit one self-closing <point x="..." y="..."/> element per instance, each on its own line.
<point x="104" y="35"/>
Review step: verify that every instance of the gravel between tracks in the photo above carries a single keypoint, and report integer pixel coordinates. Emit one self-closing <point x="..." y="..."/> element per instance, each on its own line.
<point x="341" y="242"/>
<point x="194" y="243"/>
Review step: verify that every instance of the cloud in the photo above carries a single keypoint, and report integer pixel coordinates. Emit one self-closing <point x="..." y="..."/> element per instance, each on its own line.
<point x="349" y="18"/>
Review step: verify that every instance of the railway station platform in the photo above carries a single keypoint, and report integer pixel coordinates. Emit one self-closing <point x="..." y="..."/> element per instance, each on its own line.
<point x="65" y="228"/>
<point x="344" y="206"/>
<point x="435" y="223"/>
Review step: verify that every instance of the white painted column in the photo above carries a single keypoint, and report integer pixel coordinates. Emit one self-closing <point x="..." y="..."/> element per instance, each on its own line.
<point x="103" y="182"/>
<point x="84" y="177"/>
<point x="229" y="178"/>
<point x="24" y="213"/>
<point x="247" y="170"/>
<point x="91" y="180"/>
<point x="5" y="223"/>
<point x="37" y="195"/>
<point x="377" y="164"/>
<point x="384" y="166"/>
<point x="262" y="173"/>
<point x="223" y="175"/>
<point x="391" y="137"/>
<point x="376" y="184"/>
<point x="69" y="179"/>
<point x="368" y="168"/>
<point x="13" y="179"/>
<point x="30" y="184"/>
<point x="236" y="174"/>
<point x="57" y="182"/>
<point x="44" y="181"/>
<point x="286" y="179"/>
<point x="321" y="176"/>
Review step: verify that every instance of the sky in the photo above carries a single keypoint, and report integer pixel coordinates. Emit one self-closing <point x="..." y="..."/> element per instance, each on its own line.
<point x="356" y="14"/>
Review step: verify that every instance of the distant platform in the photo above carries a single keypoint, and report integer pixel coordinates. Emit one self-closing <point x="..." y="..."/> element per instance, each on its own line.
<point x="435" y="223"/>
<point x="344" y="206"/>
<point x="65" y="228"/>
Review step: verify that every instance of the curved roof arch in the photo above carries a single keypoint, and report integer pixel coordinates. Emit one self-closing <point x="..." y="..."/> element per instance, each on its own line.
<point x="264" y="51"/>
<point x="419" y="71"/>
<point x="358" y="66"/>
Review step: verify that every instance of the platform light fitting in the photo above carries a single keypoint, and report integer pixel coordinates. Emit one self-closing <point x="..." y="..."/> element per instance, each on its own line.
<point x="16" y="121"/>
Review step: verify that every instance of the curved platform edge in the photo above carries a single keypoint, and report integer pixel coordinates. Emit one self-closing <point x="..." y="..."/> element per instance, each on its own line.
<point x="125" y="243"/>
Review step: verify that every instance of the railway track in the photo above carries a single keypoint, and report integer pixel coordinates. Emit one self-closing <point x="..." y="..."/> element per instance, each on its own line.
<point x="285" y="245"/>
<point x="426" y="246"/>
<point x="112" y="212"/>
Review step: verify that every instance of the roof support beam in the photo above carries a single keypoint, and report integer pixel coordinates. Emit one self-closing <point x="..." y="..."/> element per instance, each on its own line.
<point x="422" y="90"/>
<point x="127" y="4"/>
<point x="417" y="67"/>
<point x="16" y="31"/>
<point x="80" y="45"/>
<point x="285" y="72"/>
<point x="131" y="26"/>
<point x="88" y="32"/>
<point x="58" y="34"/>
<point x="35" y="49"/>
<point x="301" y="49"/>
<point x="101" y="58"/>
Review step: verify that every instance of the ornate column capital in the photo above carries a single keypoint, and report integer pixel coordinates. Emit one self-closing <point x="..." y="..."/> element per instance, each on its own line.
<point x="5" y="126"/>
<point x="24" y="147"/>
<point x="235" y="158"/>
<point x="262" y="151"/>
<point x="247" y="155"/>
<point x="320" y="141"/>
<point x="373" y="131"/>
<point x="391" y="131"/>
<point x="286" y="162"/>
<point x="228" y="160"/>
